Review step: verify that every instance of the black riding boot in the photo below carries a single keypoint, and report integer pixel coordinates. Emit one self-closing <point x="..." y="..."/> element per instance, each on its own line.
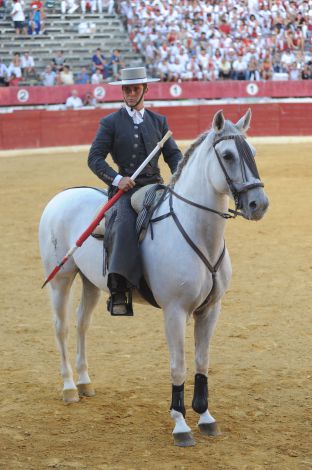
<point x="120" y="300"/>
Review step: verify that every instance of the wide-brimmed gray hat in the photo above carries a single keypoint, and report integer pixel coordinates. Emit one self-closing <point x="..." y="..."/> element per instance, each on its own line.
<point x="134" y="76"/>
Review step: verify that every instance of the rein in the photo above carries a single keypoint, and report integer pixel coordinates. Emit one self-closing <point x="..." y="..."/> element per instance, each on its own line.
<point x="171" y="213"/>
<point x="224" y="215"/>
<point x="212" y="268"/>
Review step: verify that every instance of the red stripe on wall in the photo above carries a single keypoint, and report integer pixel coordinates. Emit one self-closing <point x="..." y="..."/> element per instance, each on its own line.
<point x="39" y="95"/>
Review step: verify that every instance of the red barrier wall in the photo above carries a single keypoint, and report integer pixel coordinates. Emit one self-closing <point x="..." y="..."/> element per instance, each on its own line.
<point x="42" y="128"/>
<point x="39" y="95"/>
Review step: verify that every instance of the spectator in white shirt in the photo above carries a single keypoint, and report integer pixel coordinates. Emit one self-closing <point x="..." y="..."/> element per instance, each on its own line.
<point x="48" y="76"/>
<point x="203" y="59"/>
<point x="73" y="101"/>
<point x="163" y="70"/>
<point x="97" y="77"/>
<point x="193" y="71"/>
<point x="28" y="65"/>
<point x="18" y="17"/>
<point x="294" y="72"/>
<point x="182" y="56"/>
<point x="176" y="70"/>
<point x="287" y="58"/>
<point x="240" y="69"/>
<point x="109" y="6"/>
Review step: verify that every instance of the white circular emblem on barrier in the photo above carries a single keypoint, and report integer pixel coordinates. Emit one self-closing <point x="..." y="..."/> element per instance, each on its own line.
<point x="252" y="89"/>
<point x="22" y="95"/>
<point x="175" y="90"/>
<point x="99" y="92"/>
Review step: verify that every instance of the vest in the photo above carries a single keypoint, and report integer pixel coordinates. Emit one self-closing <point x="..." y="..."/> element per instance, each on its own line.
<point x="137" y="154"/>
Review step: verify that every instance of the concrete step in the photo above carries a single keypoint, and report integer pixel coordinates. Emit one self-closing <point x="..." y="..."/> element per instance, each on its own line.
<point x="62" y="33"/>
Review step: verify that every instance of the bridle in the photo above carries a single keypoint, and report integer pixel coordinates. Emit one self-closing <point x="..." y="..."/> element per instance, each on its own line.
<point x="246" y="159"/>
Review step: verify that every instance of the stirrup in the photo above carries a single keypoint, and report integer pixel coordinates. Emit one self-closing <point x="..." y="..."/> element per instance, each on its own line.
<point x="117" y="301"/>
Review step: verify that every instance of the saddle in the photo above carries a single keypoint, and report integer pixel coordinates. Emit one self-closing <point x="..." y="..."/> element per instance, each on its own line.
<point x="144" y="202"/>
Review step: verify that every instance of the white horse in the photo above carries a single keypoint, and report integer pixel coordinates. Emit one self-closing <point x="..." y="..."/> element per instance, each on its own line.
<point x="186" y="263"/>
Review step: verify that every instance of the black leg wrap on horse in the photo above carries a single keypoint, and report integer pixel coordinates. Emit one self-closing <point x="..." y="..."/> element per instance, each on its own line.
<point x="177" y="401"/>
<point x="200" y="398"/>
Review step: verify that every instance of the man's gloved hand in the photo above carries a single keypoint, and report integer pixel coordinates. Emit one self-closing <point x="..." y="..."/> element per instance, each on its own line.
<point x="126" y="183"/>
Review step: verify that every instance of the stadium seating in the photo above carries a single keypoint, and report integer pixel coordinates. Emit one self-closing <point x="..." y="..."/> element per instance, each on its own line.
<point x="61" y="32"/>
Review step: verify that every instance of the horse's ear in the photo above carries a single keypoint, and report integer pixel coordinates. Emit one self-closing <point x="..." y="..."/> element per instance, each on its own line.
<point x="244" y="122"/>
<point x="218" y="121"/>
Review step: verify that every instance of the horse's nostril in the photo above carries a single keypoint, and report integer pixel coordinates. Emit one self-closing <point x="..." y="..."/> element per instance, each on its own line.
<point x="253" y="205"/>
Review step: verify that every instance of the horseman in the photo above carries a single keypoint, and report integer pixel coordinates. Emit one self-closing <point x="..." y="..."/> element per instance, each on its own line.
<point x="128" y="135"/>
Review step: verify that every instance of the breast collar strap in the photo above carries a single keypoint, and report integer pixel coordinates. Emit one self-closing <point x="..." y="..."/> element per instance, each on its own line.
<point x="171" y="213"/>
<point x="212" y="268"/>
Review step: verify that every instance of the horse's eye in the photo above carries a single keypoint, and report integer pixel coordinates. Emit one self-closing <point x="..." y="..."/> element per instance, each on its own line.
<point x="228" y="157"/>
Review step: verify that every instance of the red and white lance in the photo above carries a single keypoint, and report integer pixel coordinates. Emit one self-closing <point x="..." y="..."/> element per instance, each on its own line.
<point x="104" y="209"/>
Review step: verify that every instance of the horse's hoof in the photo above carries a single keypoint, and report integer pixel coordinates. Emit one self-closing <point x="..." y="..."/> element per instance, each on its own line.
<point x="209" y="429"/>
<point x="70" y="396"/>
<point x="86" y="390"/>
<point x="183" y="439"/>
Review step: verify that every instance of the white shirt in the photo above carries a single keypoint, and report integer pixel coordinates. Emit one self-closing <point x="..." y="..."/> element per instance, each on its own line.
<point x="14" y="69"/>
<point x="287" y="58"/>
<point x="137" y="117"/>
<point x="96" y="79"/>
<point x="27" y="61"/>
<point x="239" y="65"/>
<point x="73" y="102"/>
<point x="48" y="78"/>
<point x="17" y="12"/>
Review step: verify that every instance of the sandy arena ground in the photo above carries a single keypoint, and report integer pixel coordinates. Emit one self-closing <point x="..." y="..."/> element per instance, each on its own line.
<point x="260" y="367"/>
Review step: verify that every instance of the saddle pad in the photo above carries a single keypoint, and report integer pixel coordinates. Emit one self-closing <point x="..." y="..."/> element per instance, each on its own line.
<point x="137" y="199"/>
<point x="141" y="201"/>
<point x="151" y="198"/>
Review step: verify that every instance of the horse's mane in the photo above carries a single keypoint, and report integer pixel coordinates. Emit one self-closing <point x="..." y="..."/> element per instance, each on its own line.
<point x="186" y="157"/>
<point x="229" y="128"/>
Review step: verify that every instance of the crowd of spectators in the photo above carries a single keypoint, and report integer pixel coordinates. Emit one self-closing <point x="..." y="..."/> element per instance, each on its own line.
<point x="59" y="72"/>
<point x="228" y="39"/>
<point x="180" y="40"/>
<point x="28" y="19"/>
<point x="19" y="67"/>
